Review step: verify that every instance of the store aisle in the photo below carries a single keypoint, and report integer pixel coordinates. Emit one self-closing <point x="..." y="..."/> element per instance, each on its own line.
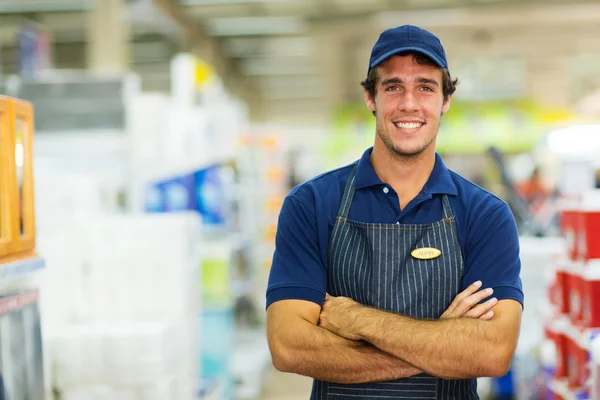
<point x="280" y="386"/>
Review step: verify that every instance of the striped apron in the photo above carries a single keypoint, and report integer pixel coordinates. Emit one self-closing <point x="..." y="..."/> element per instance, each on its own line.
<point x="372" y="264"/>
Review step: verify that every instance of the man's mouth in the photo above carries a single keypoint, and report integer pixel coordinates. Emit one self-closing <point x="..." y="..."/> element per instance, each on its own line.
<point x="409" y="125"/>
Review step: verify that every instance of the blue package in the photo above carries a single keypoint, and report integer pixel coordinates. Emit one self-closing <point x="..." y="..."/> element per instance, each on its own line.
<point x="211" y="201"/>
<point x="154" y="200"/>
<point x="178" y="194"/>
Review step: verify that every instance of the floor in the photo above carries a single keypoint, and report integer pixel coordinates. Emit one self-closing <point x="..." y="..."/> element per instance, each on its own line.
<point x="280" y="386"/>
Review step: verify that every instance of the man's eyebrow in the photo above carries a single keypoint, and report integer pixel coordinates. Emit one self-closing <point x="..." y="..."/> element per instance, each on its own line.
<point x="427" y="80"/>
<point x="391" y="80"/>
<point x="418" y="80"/>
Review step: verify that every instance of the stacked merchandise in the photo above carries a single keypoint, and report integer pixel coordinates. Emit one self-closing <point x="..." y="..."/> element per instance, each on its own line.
<point x="266" y="156"/>
<point x="120" y="307"/>
<point x="573" y="325"/>
<point x="263" y="186"/>
<point x="203" y="191"/>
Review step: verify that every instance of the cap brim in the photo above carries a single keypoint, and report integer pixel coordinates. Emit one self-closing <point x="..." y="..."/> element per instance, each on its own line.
<point x="399" y="50"/>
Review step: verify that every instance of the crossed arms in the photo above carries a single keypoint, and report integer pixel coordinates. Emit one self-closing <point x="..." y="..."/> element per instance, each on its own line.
<point x="346" y="342"/>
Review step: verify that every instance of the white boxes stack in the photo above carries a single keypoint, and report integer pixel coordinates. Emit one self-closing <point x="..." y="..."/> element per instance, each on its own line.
<point x="120" y="307"/>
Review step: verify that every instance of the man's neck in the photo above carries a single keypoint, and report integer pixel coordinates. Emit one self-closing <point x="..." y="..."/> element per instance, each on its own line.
<point x="406" y="176"/>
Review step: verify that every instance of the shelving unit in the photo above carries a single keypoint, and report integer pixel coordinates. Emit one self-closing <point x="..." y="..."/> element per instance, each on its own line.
<point x="21" y="361"/>
<point x="21" y="268"/>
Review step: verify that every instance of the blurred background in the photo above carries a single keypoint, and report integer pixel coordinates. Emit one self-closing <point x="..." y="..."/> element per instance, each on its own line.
<point x="168" y="132"/>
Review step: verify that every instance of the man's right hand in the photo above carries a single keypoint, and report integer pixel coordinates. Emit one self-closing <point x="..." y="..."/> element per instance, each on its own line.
<point x="466" y="304"/>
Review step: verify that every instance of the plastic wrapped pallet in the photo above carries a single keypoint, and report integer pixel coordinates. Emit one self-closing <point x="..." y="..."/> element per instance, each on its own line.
<point x="122" y="295"/>
<point x="121" y="269"/>
<point x="133" y="358"/>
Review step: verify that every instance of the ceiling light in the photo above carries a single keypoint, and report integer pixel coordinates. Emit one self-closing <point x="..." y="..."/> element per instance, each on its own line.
<point x="240" y="26"/>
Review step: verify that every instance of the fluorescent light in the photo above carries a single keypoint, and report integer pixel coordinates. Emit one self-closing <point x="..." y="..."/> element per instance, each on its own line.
<point x="278" y="66"/>
<point x="299" y="46"/>
<point x="17" y="6"/>
<point x="240" y="26"/>
<point x="580" y="139"/>
<point x="220" y="2"/>
<point x="493" y="16"/>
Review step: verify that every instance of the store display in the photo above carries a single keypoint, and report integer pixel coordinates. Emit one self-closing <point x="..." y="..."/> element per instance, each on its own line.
<point x="21" y="361"/>
<point x="573" y="327"/>
<point x="17" y="225"/>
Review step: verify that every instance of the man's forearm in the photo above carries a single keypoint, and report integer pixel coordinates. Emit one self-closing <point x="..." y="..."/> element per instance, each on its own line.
<point x="313" y="351"/>
<point x="451" y="349"/>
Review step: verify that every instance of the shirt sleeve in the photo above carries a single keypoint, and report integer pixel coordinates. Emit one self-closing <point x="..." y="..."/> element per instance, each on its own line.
<point x="297" y="271"/>
<point x="493" y="254"/>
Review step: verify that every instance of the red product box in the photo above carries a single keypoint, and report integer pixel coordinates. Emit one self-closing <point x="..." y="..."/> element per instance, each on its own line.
<point x="579" y="355"/>
<point x="590" y="300"/>
<point x="595" y="368"/>
<point x="588" y="237"/>
<point x="583" y="360"/>
<point x="562" y="360"/>
<point x="558" y="328"/>
<point x="554" y="295"/>
<point x="562" y="283"/>
<point x="569" y="226"/>
<point x="575" y="288"/>
<point x="572" y="357"/>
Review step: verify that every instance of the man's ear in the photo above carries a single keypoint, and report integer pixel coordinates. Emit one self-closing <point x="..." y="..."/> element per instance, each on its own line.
<point x="446" y="105"/>
<point x="369" y="101"/>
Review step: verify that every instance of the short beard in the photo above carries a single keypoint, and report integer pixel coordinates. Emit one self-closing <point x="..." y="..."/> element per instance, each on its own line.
<point x="398" y="154"/>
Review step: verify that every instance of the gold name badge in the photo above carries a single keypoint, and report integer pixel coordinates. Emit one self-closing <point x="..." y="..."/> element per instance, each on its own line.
<point x="426" y="253"/>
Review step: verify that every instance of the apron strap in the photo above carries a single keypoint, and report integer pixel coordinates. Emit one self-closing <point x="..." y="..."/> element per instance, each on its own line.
<point x="446" y="209"/>
<point x="348" y="194"/>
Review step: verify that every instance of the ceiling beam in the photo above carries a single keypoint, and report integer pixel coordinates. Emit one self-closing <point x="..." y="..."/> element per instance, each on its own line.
<point x="197" y="41"/>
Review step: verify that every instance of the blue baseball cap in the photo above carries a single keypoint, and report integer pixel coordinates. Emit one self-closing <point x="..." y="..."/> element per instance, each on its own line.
<point x="408" y="38"/>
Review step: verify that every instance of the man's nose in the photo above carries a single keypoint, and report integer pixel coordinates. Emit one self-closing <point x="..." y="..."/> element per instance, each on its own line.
<point x="409" y="102"/>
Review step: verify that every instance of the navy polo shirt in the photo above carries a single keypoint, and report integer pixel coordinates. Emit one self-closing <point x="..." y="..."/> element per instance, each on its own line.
<point x="487" y="231"/>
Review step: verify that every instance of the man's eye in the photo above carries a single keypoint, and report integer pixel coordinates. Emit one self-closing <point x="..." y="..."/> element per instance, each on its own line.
<point x="427" y="89"/>
<point x="392" y="88"/>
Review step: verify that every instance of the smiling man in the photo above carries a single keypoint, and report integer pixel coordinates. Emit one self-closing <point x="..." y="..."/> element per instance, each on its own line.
<point x="384" y="269"/>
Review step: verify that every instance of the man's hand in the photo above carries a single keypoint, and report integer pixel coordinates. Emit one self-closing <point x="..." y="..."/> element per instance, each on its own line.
<point x="336" y="316"/>
<point x="466" y="304"/>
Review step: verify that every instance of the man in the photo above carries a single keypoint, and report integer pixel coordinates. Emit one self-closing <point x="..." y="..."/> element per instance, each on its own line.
<point x="534" y="191"/>
<point x="370" y="258"/>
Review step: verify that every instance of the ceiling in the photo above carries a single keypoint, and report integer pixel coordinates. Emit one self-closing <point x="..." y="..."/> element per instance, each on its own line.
<point x="293" y="60"/>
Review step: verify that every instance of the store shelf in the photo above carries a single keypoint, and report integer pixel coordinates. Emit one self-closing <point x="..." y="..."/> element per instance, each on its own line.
<point x="21" y="268"/>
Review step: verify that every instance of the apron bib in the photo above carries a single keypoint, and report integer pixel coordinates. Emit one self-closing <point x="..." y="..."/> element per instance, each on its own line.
<point x="372" y="264"/>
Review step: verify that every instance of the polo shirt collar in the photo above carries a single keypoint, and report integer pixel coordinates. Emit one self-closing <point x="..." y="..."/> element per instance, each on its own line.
<point x="440" y="181"/>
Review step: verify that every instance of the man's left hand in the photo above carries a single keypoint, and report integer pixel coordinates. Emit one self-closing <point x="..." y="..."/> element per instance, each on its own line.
<point x="338" y="315"/>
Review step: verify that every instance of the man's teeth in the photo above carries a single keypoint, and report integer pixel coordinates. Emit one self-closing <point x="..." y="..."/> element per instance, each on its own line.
<point x="409" y="125"/>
